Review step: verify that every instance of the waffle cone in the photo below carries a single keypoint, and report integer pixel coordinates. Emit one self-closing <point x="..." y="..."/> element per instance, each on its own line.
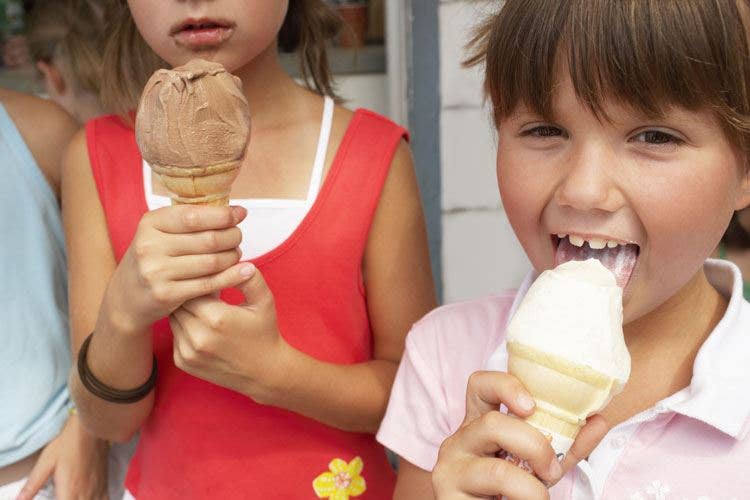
<point x="566" y="393"/>
<point x="207" y="185"/>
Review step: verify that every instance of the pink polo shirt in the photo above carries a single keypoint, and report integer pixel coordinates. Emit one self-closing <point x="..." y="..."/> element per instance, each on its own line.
<point x="692" y="445"/>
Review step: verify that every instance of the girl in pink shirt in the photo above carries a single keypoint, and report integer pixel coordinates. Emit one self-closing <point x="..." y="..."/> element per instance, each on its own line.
<point x="623" y="129"/>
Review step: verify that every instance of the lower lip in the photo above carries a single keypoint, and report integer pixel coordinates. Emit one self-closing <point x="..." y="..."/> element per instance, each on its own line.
<point x="203" y="37"/>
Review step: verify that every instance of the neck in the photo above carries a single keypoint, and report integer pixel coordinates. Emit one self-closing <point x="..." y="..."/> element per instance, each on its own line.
<point x="269" y="89"/>
<point x="675" y="331"/>
<point x="663" y="346"/>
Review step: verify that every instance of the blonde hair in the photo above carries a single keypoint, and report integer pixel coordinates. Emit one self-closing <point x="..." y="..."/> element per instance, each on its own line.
<point x="129" y="61"/>
<point x="70" y="33"/>
<point x="646" y="54"/>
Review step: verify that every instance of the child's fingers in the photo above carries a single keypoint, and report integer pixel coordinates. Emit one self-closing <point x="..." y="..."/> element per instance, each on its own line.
<point x="181" y="291"/>
<point x="487" y="390"/>
<point x="588" y="438"/>
<point x="495" y="431"/>
<point x="488" y="476"/>
<point x="256" y="291"/>
<point x="212" y="312"/>
<point x="180" y="219"/>
<point x="202" y="242"/>
<point x="196" y="266"/>
<point x="37" y="478"/>
<point x="181" y="349"/>
<point x="191" y="333"/>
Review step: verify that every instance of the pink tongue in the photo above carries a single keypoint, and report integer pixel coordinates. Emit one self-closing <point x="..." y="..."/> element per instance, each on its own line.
<point x="620" y="260"/>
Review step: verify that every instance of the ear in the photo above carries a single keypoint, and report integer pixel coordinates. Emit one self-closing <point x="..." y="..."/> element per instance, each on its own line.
<point x="53" y="79"/>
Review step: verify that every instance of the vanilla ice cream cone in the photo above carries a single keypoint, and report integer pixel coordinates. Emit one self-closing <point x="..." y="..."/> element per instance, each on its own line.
<point x="565" y="393"/>
<point x="566" y="346"/>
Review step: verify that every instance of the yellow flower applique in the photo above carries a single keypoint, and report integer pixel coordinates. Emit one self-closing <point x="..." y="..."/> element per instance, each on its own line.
<point x="341" y="481"/>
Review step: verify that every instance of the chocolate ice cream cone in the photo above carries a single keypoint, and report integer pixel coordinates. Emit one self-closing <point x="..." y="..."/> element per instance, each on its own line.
<point x="193" y="127"/>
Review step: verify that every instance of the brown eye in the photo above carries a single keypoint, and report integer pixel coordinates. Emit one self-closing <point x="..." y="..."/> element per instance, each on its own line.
<point x="543" y="131"/>
<point x="657" y="137"/>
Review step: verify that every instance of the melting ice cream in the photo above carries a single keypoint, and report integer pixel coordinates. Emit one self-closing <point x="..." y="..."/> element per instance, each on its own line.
<point x="565" y="344"/>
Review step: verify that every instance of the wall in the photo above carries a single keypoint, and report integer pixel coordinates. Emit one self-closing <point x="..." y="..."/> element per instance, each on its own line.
<point x="480" y="253"/>
<point x="364" y="91"/>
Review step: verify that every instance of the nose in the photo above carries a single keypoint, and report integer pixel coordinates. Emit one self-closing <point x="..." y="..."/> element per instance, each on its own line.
<point x="589" y="180"/>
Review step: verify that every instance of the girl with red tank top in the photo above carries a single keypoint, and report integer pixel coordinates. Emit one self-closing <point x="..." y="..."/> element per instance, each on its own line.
<point x="272" y="388"/>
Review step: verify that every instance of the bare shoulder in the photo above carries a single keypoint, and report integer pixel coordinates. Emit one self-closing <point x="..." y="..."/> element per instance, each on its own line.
<point x="45" y="127"/>
<point x="75" y="164"/>
<point x="342" y="117"/>
<point x="343" y="113"/>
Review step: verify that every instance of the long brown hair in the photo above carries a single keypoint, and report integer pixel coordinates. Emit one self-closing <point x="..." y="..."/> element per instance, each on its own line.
<point x="649" y="54"/>
<point x="129" y="61"/>
<point x="308" y="27"/>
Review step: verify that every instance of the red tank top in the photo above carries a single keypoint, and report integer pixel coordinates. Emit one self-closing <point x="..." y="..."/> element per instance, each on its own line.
<point x="203" y="441"/>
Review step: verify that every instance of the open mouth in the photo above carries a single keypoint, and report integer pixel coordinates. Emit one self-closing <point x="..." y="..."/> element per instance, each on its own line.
<point x="200" y="33"/>
<point x="619" y="257"/>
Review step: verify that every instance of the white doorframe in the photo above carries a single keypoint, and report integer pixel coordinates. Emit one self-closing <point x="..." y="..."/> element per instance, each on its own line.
<point x="413" y="76"/>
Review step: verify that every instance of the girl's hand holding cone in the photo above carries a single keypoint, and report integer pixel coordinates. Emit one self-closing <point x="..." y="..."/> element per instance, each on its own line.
<point x="468" y="466"/>
<point x="178" y="253"/>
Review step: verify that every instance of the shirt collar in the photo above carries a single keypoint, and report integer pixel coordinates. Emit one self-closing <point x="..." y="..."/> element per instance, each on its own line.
<point x="717" y="394"/>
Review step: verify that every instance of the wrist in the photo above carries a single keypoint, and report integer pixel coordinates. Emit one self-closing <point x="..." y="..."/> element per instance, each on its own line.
<point x="115" y="319"/>
<point x="275" y="383"/>
<point x="82" y="436"/>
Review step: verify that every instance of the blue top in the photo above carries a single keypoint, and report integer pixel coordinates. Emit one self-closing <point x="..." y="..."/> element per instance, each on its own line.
<point x="34" y="342"/>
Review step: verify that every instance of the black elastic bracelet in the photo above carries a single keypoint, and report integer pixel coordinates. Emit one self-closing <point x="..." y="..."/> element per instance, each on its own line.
<point x="103" y="391"/>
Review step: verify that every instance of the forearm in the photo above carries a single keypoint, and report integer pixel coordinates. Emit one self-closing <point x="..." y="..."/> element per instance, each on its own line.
<point x="413" y="482"/>
<point x="120" y="359"/>
<point x="349" y="397"/>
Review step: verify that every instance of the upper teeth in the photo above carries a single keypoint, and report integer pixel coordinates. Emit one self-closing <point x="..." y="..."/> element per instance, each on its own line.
<point x="594" y="243"/>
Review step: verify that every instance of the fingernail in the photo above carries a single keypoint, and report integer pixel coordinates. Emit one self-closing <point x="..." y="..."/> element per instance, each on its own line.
<point x="525" y="401"/>
<point x="237" y="211"/>
<point x="247" y="270"/>
<point x="555" y="470"/>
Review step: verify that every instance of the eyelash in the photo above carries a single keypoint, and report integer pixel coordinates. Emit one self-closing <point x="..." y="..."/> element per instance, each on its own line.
<point x="658" y="137"/>
<point x="670" y="138"/>
<point x="543" y="131"/>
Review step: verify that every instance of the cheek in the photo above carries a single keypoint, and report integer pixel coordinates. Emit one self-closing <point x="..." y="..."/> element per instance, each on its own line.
<point x="689" y="213"/>
<point x="260" y="21"/>
<point x="510" y="183"/>
<point x="150" y="20"/>
<point x="684" y="217"/>
<point x="146" y="16"/>
<point x="524" y="194"/>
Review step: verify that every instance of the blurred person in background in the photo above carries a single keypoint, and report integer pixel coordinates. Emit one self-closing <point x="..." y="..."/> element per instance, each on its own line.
<point x="44" y="453"/>
<point x="65" y="42"/>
